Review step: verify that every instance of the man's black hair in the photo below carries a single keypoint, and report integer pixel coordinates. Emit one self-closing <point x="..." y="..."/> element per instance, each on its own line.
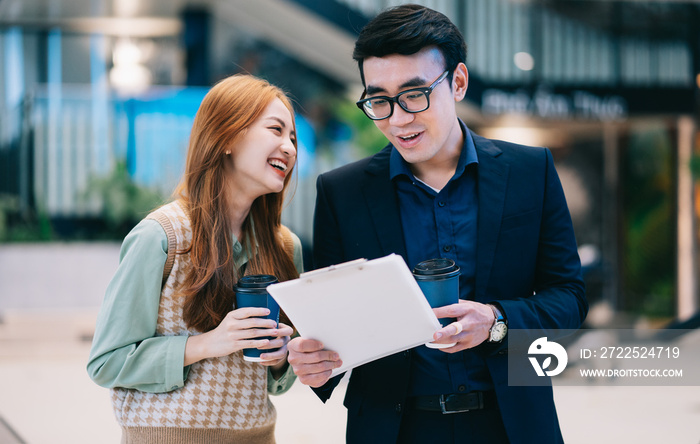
<point x="407" y="29"/>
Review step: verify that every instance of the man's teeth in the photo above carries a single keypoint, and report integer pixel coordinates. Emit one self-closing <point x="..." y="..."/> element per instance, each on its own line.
<point x="409" y="137"/>
<point x="279" y="165"/>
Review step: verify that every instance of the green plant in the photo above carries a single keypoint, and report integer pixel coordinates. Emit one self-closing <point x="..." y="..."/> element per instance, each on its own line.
<point x="366" y="136"/>
<point x="648" y="250"/>
<point x="8" y="204"/>
<point x="123" y="201"/>
<point x="18" y="226"/>
<point x="695" y="166"/>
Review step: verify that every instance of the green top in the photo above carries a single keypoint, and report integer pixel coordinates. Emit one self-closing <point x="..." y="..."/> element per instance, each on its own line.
<point x="120" y="356"/>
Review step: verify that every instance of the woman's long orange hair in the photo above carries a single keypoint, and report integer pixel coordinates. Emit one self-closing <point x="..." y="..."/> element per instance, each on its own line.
<point x="225" y="114"/>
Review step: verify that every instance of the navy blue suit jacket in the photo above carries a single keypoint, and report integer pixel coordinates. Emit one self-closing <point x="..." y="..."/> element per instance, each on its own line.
<point x="527" y="260"/>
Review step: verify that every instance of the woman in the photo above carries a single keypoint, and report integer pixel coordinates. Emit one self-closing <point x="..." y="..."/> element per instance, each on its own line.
<point x="172" y="351"/>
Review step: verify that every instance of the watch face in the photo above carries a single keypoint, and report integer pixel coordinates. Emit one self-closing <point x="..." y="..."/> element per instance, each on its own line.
<point x="498" y="332"/>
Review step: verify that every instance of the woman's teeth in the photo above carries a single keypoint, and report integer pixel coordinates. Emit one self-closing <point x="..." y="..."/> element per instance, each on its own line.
<point x="279" y="165"/>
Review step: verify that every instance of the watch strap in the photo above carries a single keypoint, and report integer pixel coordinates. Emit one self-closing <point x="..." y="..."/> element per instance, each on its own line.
<point x="497" y="313"/>
<point x="499" y="318"/>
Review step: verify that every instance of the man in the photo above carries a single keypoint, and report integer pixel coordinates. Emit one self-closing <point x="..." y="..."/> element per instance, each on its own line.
<point x="438" y="190"/>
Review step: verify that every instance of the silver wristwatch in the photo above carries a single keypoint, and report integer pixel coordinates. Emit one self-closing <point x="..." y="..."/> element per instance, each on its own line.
<point x="499" y="328"/>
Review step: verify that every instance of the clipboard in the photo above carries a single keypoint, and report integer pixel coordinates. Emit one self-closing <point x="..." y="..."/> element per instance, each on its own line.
<point x="363" y="310"/>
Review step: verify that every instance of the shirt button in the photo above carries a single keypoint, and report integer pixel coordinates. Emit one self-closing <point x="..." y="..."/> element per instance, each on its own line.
<point x="398" y="407"/>
<point x="441" y="204"/>
<point x="446" y="248"/>
<point x="461" y="388"/>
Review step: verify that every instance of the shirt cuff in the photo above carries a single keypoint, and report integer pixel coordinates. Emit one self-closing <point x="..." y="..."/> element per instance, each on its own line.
<point x="175" y="371"/>
<point x="281" y="385"/>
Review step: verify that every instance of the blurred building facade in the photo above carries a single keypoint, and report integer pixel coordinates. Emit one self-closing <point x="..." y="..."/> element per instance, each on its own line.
<point x="95" y="92"/>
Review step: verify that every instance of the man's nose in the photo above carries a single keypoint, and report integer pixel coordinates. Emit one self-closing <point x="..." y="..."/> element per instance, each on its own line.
<point x="400" y="117"/>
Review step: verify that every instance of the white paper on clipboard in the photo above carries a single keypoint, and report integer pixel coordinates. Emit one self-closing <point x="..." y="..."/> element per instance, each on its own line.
<point x="364" y="310"/>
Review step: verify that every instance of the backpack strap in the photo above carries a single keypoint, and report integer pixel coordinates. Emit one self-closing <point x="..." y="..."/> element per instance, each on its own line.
<point x="162" y="219"/>
<point x="164" y="222"/>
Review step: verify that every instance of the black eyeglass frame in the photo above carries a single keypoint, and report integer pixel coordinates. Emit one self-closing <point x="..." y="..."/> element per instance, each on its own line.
<point x="425" y="90"/>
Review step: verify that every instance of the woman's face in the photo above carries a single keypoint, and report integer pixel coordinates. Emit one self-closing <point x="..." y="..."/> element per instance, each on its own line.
<point x="265" y="154"/>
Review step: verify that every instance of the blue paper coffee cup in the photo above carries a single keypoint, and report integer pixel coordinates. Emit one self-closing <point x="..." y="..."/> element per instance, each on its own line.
<point x="251" y="291"/>
<point x="439" y="281"/>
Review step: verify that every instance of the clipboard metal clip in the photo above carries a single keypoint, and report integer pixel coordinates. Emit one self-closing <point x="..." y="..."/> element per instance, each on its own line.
<point x="312" y="273"/>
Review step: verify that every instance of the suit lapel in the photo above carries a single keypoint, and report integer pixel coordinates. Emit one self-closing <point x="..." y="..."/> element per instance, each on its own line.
<point x="492" y="183"/>
<point x="383" y="205"/>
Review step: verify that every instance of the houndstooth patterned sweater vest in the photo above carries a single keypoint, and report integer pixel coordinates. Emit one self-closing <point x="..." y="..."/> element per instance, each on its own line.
<point x="223" y="400"/>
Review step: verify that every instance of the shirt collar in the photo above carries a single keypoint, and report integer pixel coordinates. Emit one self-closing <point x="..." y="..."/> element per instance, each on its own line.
<point x="398" y="166"/>
<point x="241" y="254"/>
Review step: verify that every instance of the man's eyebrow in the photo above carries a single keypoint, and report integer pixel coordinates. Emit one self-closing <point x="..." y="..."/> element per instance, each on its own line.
<point x="411" y="83"/>
<point x="371" y="90"/>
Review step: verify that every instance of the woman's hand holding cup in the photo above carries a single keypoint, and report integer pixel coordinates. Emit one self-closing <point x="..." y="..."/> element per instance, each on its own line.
<point x="281" y="338"/>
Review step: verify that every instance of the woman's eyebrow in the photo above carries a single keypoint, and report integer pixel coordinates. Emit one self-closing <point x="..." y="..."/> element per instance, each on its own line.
<point x="282" y="124"/>
<point x="278" y="120"/>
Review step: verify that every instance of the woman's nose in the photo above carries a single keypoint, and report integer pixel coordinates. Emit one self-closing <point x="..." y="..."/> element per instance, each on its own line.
<point x="289" y="150"/>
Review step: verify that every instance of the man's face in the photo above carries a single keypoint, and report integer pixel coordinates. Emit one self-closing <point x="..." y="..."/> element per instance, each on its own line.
<point x="430" y="136"/>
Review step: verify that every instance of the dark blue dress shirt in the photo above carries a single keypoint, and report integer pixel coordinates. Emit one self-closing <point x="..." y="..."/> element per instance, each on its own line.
<point x="443" y="225"/>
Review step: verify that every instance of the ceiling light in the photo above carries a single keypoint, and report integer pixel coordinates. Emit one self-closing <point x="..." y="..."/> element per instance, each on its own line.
<point x="524" y="61"/>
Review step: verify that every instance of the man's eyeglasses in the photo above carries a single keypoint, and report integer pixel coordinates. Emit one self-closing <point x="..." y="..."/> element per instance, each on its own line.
<point x="413" y="100"/>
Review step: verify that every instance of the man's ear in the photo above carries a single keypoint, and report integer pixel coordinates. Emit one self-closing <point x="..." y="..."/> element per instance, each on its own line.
<point x="460" y="81"/>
